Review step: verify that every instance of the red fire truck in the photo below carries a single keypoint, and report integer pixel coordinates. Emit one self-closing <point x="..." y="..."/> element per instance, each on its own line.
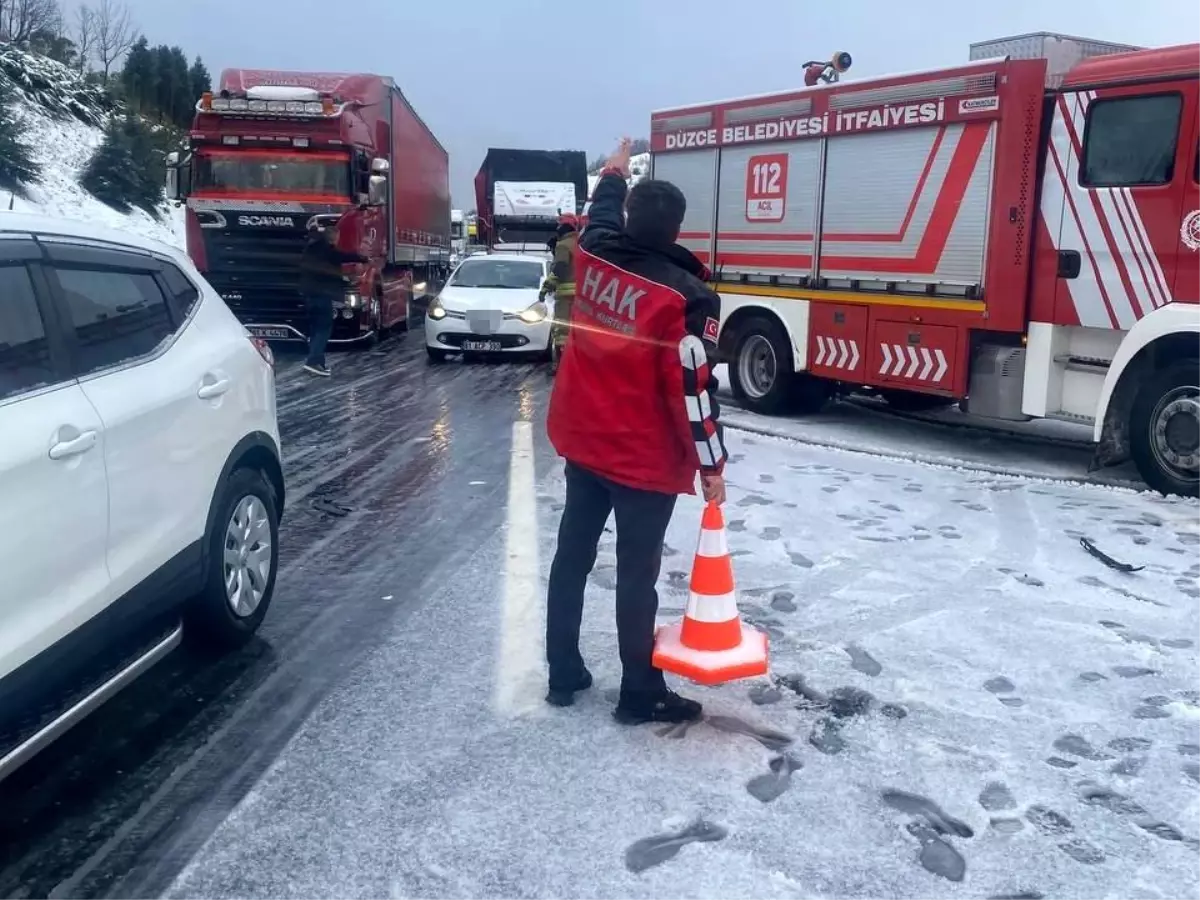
<point x="1019" y="233"/>
<point x="270" y="152"/>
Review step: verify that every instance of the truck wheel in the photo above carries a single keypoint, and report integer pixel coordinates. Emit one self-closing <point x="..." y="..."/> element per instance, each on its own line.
<point x="1164" y="429"/>
<point x="762" y="373"/>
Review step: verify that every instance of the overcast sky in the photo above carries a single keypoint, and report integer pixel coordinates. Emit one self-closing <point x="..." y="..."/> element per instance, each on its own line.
<point x="577" y="74"/>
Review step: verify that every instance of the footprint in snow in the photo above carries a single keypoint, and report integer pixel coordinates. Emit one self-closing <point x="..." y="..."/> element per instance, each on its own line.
<point x="862" y="661"/>
<point x="772" y="740"/>
<point x="772" y="784"/>
<point x="770" y="533"/>
<point x="766" y="479"/>
<point x="736" y="525"/>
<point x="929" y="826"/>
<point x="1096" y="795"/>
<point x="1004" y="691"/>
<point x="783" y="601"/>
<point x="657" y="849"/>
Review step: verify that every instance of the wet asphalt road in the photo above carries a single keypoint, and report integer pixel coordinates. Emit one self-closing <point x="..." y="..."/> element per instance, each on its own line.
<point x="379" y="461"/>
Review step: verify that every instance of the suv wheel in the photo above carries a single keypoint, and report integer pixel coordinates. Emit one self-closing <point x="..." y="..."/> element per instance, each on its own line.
<point x="243" y="556"/>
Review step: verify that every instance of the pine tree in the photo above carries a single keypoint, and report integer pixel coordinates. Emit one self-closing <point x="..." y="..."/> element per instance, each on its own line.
<point x="137" y="75"/>
<point x="164" y="81"/>
<point x="110" y="175"/>
<point x="149" y="163"/>
<point x="179" y="111"/>
<point x="17" y="164"/>
<point x="200" y="81"/>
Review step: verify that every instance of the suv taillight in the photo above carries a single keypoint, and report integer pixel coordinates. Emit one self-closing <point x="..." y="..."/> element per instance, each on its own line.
<point x="264" y="350"/>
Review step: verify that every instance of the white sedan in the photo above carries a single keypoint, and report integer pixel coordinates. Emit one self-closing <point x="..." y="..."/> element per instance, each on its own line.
<point x="490" y="305"/>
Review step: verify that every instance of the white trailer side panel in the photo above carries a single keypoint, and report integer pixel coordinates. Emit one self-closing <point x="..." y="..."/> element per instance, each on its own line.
<point x="767" y="208"/>
<point x="908" y="206"/>
<point x="693" y="172"/>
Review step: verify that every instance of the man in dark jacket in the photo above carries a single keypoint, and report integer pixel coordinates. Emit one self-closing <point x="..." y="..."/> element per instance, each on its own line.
<point x="322" y="284"/>
<point x="634" y="413"/>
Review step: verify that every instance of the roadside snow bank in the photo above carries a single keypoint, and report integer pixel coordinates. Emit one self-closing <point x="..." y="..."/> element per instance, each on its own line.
<point x="65" y="115"/>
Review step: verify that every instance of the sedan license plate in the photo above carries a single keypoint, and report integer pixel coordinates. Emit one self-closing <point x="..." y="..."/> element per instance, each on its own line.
<point x="481" y="346"/>
<point x="260" y="332"/>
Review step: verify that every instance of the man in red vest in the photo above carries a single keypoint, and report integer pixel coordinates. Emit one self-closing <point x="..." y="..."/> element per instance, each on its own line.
<point x="634" y="413"/>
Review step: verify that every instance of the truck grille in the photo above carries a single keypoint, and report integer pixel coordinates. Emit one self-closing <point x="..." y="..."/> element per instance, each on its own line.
<point x="257" y="272"/>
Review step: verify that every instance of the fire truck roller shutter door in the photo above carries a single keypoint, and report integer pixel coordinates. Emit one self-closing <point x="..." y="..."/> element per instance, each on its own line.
<point x="694" y="172"/>
<point x="767" y="208"/>
<point x="908" y="206"/>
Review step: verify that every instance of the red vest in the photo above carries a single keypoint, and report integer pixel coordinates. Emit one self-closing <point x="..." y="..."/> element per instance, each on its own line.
<point x="617" y="407"/>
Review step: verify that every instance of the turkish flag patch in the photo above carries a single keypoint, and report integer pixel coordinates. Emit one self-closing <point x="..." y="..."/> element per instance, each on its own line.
<point x="711" y="327"/>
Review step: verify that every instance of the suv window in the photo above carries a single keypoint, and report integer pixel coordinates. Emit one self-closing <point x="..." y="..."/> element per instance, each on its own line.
<point x="183" y="293"/>
<point x="118" y="316"/>
<point x="25" y="362"/>
<point x="1131" y="141"/>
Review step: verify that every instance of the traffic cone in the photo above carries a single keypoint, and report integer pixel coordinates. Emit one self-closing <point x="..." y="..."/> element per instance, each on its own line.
<point x="711" y="645"/>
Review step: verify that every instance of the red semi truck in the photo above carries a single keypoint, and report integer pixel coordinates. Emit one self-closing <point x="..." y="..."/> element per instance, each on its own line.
<point x="269" y="152"/>
<point x="1019" y="233"/>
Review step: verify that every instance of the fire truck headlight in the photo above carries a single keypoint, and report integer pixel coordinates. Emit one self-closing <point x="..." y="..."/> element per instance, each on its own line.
<point x="353" y="300"/>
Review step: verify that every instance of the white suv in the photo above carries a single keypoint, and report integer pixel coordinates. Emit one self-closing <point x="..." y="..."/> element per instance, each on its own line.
<point x="140" y="477"/>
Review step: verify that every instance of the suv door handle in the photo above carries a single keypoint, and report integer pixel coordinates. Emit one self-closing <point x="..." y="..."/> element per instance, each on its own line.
<point x="82" y="444"/>
<point x="213" y="389"/>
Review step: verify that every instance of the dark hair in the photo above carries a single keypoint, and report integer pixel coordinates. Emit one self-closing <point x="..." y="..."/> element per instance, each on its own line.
<point x="654" y="213"/>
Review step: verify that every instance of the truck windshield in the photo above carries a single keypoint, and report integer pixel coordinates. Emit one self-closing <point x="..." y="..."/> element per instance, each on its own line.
<point x="498" y="273"/>
<point x="272" y="172"/>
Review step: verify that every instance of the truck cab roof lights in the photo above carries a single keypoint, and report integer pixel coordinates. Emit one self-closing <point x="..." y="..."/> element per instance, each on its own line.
<point x="262" y="109"/>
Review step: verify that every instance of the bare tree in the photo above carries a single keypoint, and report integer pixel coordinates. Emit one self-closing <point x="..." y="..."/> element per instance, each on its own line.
<point x="115" y="33"/>
<point x="22" y="19"/>
<point x="84" y="35"/>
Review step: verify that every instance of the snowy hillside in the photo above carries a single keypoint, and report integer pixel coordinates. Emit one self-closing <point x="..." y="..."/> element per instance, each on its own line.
<point x="65" y="115"/>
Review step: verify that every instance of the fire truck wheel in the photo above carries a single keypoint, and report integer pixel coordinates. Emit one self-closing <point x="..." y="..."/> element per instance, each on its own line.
<point x="1164" y="429"/>
<point x="762" y="373"/>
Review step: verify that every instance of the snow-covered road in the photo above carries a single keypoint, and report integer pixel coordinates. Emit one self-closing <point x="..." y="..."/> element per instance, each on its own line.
<point x="959" y="691"/>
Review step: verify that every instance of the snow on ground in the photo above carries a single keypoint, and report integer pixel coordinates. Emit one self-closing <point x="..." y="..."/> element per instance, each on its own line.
<point x="1038" y="449"/>
<point x="958" y="691"/>
<point x="63" y="147"/>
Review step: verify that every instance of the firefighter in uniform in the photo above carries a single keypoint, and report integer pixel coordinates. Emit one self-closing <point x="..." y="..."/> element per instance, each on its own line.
<point x="561" y="283"/>
<point x="634" y="413"/>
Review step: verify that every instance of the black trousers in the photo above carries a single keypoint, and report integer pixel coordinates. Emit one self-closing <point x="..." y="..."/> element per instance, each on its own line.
<point x="642" y="519"/>
<point x="320" y="327"/>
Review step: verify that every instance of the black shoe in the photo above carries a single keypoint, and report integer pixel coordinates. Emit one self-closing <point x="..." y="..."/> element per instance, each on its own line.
<point x="566" y="696"/>
<point x="317" y="370"/>
<point x="658" y="707"/>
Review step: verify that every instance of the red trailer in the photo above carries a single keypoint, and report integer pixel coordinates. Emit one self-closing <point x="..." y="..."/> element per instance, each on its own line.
<point x="270" y="152"/>
<point x="1019" y="233"/>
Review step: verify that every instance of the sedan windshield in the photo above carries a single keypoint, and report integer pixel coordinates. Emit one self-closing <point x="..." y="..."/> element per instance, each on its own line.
<point x="498" y="273"/>
<point x="272" y="172"/>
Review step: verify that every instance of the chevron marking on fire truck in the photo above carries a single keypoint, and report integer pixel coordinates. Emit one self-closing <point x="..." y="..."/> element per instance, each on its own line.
<point x="837" y="353"/>
<point x="895" y="358"/>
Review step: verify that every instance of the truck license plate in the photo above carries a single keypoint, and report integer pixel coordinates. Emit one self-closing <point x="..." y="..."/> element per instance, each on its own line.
<point x="481" y="346"/>
<point x="259" y="332"/>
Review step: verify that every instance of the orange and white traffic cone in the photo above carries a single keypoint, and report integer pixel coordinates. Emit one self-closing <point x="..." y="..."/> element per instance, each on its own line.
<point x="711" y="645"/>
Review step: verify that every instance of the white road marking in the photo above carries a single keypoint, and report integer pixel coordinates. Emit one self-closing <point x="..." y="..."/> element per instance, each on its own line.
<point x="520" y="675"/>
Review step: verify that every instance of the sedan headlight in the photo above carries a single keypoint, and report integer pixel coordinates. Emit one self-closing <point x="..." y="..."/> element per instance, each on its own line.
<point x="435" y="310"/>
<point x="534" y="314"/>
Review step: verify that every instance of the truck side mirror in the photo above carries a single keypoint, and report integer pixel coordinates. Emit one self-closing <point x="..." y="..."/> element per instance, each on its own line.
<point x="380" y="166"/>
<point x="377" y="190"/>
<point x="179" y="176"/>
